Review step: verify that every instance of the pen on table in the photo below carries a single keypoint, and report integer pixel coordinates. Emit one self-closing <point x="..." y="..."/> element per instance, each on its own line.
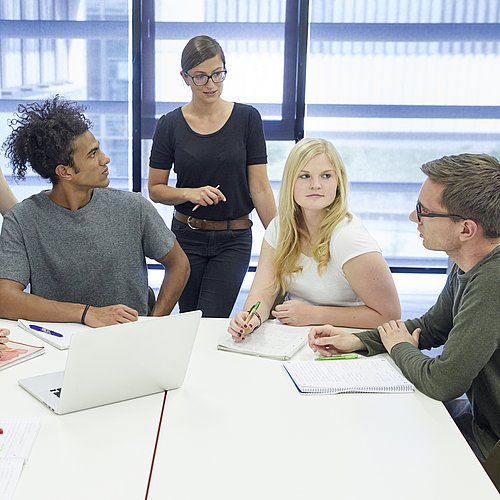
<point x="337" y="357"/>
<point x="39" y="328"/>
<point x="198" y="206"/>
<point x="253" y="310"/>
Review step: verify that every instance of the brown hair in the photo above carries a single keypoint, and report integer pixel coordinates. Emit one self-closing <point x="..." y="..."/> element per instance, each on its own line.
<point x="472" y="187"/>
<point x="199" y="49"/>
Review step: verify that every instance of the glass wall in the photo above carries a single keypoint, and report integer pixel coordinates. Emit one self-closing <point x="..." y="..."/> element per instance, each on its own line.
<point x="392" y="83"/>
<point x="78" y="49"/>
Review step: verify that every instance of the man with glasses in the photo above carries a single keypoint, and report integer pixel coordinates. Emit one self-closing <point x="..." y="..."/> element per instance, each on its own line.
<point x="458" y="211"/>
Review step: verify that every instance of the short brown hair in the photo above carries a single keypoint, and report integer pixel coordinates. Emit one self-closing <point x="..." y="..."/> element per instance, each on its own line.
<point x="199" y="49"/>
<point x="472" y="187"/>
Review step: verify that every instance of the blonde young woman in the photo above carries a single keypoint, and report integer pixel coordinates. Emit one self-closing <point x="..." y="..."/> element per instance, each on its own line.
<point x="321" y="254"/>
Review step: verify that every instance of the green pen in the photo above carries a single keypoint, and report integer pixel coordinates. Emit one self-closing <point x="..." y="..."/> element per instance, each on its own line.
<point x="252" y="311"/>
<point x="338" y="356"/>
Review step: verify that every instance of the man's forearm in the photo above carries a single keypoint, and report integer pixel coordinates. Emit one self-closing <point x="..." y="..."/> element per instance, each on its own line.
<point x="170" y="291"/>
<point x="16" y="304"/>
<point x="371" y="342"/>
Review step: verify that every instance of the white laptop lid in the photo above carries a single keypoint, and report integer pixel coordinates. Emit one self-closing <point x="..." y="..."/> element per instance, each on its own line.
<point x="120" y="362"/>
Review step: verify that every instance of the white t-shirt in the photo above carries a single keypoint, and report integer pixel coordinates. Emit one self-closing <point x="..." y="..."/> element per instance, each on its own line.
<point x="349" y="239"/>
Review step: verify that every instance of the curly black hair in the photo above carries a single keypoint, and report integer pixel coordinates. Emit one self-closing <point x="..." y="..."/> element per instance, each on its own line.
<point x="42" y="136"/>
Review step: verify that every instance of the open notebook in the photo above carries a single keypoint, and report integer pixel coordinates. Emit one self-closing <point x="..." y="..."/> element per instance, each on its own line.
<point x="347" y="375"/>
<point x="60" y="333"/>
<point x="64" y="331"/>
<point x="271" y="340"/>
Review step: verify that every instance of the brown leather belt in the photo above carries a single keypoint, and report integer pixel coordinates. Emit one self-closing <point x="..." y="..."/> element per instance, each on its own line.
<point x="214" y="225"/>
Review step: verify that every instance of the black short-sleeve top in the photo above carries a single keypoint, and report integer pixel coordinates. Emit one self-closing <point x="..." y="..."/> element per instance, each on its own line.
<point x="220" y="158"/>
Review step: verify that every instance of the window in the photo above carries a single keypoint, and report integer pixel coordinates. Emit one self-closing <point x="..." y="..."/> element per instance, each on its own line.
<point x="392" y="83"/>
<point x="261" y="58"/>
<point x="75" y="48"/>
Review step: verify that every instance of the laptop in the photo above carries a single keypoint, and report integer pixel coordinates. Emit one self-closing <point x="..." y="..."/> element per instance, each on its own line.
<point x="119" y="362"/>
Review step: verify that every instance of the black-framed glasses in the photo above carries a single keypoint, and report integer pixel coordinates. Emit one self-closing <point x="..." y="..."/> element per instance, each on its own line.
<point x="200" y="80"/>
<point x="431" y="215"/>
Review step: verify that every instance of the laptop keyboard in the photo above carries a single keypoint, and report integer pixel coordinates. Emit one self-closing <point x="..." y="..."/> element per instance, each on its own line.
<point x="56" y="392"/>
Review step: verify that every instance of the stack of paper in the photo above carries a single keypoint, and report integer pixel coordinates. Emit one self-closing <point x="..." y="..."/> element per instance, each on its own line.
<point x="16" y="440"/>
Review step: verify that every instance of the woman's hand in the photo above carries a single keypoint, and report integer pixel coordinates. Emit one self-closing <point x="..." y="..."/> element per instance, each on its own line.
<point x="205" y="195"/>
<point x="239" y="328"/>
<point x="294" y="313"/>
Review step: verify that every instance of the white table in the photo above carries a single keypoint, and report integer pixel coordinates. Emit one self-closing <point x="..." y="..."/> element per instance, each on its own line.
<point x="238" y="429"/>
<point x="101" y="453"/>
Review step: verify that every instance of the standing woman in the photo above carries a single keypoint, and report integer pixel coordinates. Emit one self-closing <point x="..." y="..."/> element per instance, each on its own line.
<point x="218" y="151"/>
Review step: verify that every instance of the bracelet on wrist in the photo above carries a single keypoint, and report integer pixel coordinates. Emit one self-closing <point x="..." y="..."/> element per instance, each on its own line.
<point x="84" y="314"/>
<point x="257" y="315"/>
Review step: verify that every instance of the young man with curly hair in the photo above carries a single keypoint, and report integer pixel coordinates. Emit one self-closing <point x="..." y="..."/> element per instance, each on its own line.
<point x="80" y="245"/>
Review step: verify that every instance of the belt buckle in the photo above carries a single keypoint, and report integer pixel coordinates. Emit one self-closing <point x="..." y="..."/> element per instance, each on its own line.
<point x="189" y="223"/>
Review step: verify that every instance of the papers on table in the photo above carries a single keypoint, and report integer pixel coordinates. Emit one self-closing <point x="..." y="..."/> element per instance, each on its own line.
<point x="16" y="441"/>
<point x="64" y="330"/>
<point x="58" y="334"/>
<point x="17" y="352"/>
<point x="10" y="471"/>
<point x="271" y="340"/>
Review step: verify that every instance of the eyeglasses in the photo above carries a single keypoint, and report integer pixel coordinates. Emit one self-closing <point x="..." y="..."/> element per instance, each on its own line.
<point x="200" y="80"/>
<point x="420" y="213"/>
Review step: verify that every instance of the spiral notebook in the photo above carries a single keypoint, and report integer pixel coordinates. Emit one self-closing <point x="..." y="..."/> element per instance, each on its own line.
<point x="347" y="375"/>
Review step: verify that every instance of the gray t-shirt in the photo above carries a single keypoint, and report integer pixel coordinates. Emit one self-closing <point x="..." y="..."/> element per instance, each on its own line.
<point x="94" y="256"/>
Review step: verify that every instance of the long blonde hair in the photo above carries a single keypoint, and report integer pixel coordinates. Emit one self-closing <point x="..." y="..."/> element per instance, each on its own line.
<point x="291" y="221"/>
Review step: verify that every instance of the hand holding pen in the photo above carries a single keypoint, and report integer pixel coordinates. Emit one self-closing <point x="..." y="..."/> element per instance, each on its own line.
<point x="244" y="323"/>
<point x="331" y="342"/>
<point x="209" y="196"/>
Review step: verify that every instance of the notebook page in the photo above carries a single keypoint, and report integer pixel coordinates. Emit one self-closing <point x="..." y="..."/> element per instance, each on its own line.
<point x="65" y="329"/>
<point x="272" y="340"/>
<point x="356" y="375"/>
<point x="10" y="471"/>
<point x="18" y="437"/>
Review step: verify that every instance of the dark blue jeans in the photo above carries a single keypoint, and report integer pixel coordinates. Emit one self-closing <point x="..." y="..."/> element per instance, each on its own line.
<point x="219" y="261"/>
